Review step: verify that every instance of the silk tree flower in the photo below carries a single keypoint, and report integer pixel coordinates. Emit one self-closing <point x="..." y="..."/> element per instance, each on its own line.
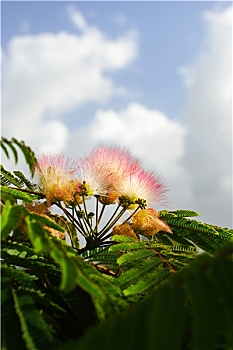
<point x="103" y="169"/>
<point x="143" y="187"/>
<point x="122" y="176"/>
<point x="93" y="176"/>
<point x="147" y="223"/>
<point x="56" y="177"/>
<point x="108" y="163"/>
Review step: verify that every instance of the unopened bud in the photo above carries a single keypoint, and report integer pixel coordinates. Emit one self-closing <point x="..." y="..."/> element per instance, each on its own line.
<point x="147" y="223"/>
<point x="110" y="197"/>
<point x="125" y="230"/>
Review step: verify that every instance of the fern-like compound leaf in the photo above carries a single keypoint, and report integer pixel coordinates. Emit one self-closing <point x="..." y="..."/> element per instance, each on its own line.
<point x="138" y="254"/>
<point x="18" y="194"/>
<point x="13" y="180"/>
<point x="137" y="273"/>
<point x="177" y="213"/>
<point x="10" y="144"/>
<point x="159" y="275"/>
<point x="25" y="181"/>
<point x="27" y="152"/>
<point x="36" y="333"/>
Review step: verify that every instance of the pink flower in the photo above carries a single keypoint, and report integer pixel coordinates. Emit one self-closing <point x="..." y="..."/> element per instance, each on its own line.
<point x="93" y="176"/>
<point x="107" y="167"/>
<point x="143" y="185"/>
<point x="123" y="174"/>
<point x="56" y="177"/>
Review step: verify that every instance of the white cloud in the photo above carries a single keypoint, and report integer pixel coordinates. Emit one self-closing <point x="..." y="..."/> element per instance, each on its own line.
<point x="208" y="157"/>
<point x="77" y="18"/>
<point x="49" y="74"/>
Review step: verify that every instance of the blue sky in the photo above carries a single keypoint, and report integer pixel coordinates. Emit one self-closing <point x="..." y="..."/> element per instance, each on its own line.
<point x="154" y="77"/>
<point x="167" y="30"/>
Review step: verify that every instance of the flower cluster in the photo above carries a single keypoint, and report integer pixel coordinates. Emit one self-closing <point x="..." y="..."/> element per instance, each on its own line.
<point x="111" y="175"/>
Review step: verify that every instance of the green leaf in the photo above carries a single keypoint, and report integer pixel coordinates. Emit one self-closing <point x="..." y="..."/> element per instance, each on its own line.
<point x="11" y="178"/>
<point x="10" y="321"/>
<point x="150" y="281"/>
<point x="38" y="236"/>
<point x="4" y="149"/>
<point x="27" y="152"/>
<point x="18" y="194"/>
<point x="36" y="333"/>
<point x="10" y="218"/>
<point x="191" y="225"/>
<point x="135" y="255"/>
<point x="11" y="146"/>
<point x="29" y="155"/>
<point x="133" y="275"/>
<point x="126" y="246"/>
<point x="27" y="182"/>
<point x="179" y="213"/>
<point x="45" y="220"/>
<point x="172" y="319"/>
<point x="67" y="227"/>
<point x="68" y="266"/>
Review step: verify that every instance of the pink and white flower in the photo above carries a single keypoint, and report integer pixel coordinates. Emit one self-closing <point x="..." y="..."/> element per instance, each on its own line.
<point x="118" y="171"/>
<point x="108" y="165"/>
<point x="144" y="185"/>
<point x="56" y="177"/>
<point x="93" y="177"/>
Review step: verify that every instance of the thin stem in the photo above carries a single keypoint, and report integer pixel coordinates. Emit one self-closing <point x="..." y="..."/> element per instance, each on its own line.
<point x="132" y="214"/>
<point x="86" y="221"/>
<point x="78" y="225"/>
<point x="86" y="213"/>
<point x="84" y="229"/>
<point x="96" y="216"/>
<point x="164" y="260"/>
<point x="111" y="224"/>
<point x="111" y="218"/>
<point x="101" y="213"/>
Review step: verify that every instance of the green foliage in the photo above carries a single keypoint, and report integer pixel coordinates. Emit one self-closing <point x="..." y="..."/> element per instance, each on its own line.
<point x="186" y="231"/>
<point x="12" y="193"/>
<point x="10" y="218"/>
<point x="117" y="291"/>
<point x="193" y="311"/>
<point x="29" y="155"/>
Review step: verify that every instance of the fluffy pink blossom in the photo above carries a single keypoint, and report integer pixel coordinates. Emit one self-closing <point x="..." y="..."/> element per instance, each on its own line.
<point x="144" y="185"/>
<point x="56" y="177"/>
<point x="123" y="173"/>
<point x="104" y="169"/>
<point x="93" y="176"/>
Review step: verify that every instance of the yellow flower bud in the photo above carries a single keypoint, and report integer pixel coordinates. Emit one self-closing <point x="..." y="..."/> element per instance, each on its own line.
<point x="110" y="197"/>
<point x="125" y="230"/>
<point x="147" y="223"/>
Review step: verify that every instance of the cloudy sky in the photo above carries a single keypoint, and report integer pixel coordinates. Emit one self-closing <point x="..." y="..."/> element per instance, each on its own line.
<point x="154" y="77"/>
